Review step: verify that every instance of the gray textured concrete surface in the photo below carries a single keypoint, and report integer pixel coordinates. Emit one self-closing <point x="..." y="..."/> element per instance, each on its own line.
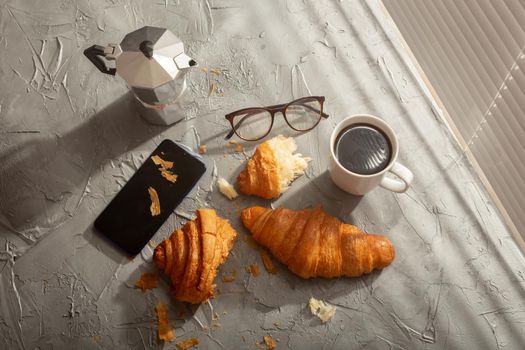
<point x="70" y="138"/>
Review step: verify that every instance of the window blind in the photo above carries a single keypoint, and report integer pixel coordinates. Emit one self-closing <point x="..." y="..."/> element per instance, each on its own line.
<point x="472" y="55"/>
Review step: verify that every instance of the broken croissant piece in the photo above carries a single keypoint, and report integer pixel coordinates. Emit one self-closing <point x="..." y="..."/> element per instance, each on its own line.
<point x="312" y="243"/>
<point x="321" y="309"/>
<point x="272" y="168"/>
<point x="227" y="189"/>
<point x="191" y="255"/>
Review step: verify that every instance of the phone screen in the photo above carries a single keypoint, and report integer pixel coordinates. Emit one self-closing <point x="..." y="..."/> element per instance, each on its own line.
<point x="134" y="215"/>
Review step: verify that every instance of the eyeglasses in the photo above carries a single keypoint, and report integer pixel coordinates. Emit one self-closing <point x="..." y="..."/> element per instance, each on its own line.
<point x="252" y="124"/>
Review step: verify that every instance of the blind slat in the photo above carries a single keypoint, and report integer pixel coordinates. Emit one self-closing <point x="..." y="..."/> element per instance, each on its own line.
<point x="495" y="30"/>
<point x="517" y="9"/>
<point x="501" y="137"/>
<point x="505" y="181"/>
<point x="472" y="53"/>
<point x="500" y="181"/>
<point x="456" y="44"/>
<point x="439" y="68"/>
<point x="470" y="26"/>
<point x="514" y="100"/>
<point x="469" y="44"/>
<point x="509" y="20"/>
<point x="451" y="70"/>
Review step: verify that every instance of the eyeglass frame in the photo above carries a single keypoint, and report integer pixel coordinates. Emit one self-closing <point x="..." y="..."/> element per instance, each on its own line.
<point x="273" y="110"/>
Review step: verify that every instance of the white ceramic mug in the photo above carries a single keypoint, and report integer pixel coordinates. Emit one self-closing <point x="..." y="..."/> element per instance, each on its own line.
<point x="359" y="184"/>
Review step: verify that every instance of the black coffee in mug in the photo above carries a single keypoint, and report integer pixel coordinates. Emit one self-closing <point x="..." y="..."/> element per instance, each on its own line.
<point x="363" y="149"/>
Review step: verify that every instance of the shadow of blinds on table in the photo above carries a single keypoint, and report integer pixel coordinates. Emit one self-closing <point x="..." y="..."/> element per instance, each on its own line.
<point x="471" y="54"/>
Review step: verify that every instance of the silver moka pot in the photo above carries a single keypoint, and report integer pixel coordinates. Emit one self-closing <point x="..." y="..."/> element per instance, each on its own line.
<point x="153" y="63"/>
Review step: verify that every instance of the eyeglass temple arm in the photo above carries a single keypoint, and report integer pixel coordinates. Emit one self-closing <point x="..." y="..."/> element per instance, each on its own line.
<point x="281" y="106"/>
<point x="229" y="135"/>
<point x="323" y="114"/>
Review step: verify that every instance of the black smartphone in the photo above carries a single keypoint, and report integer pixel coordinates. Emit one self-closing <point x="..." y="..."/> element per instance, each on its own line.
<point x="134" y="215"/>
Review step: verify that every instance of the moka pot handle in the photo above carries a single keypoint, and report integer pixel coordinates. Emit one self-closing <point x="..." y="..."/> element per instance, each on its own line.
<point x="97" y="56"/>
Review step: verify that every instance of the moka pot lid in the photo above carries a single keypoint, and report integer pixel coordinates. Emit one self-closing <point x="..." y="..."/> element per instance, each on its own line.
<point x="151" y="57"/>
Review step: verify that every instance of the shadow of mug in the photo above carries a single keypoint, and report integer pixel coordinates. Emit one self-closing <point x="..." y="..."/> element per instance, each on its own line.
<point x="319" y="191"/>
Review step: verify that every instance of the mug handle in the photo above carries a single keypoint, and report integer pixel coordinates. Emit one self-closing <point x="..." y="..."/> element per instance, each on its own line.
<point x="396" y="185"/>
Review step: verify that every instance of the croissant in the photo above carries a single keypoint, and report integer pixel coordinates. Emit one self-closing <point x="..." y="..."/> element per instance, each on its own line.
<point x="312" y="243"/>
<point x="272" y="168"/>
<point x="191" y="255"/>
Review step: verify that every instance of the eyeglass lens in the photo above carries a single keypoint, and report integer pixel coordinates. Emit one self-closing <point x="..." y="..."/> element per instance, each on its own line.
<point x="253" y="124"/>
<point x="303" y="114"/>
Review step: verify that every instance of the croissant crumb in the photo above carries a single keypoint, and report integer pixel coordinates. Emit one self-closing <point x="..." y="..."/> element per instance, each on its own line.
<point x="253" y="269"/>
<point x="268" y="263"/>
<point x="229" y="277"/>
<point x="164" y="168"/>
<point x="155" y="202"/>
<point x="269" y="342"/>
<point x="227" y="189"/>
<point x="164" y="164"/>
<point x="322" y="310"/>
<point x="147" y="281"/>
<point x="164" y="329"/>
<point x="168" y="175"/>
<point x="188" y="343"/>
<point x="238" y="146"/>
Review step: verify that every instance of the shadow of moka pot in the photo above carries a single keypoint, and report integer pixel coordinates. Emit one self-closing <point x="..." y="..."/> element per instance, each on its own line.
<point x="153" y="63"/>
